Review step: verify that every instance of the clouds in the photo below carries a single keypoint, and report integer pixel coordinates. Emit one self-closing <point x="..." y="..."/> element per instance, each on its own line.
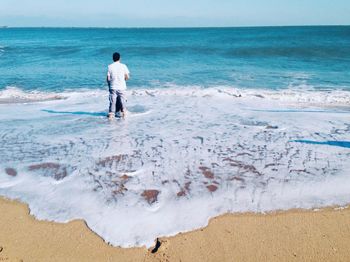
<point x="158" y="13"/>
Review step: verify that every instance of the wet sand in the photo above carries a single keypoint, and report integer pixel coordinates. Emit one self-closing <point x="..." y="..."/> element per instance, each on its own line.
<point x="295" y="235"/>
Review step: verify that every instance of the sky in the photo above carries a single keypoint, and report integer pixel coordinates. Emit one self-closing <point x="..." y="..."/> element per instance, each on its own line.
<point x="178" y="13"/>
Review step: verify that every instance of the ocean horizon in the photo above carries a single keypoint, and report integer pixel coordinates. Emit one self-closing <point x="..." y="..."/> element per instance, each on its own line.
<point x="175" y="27"/>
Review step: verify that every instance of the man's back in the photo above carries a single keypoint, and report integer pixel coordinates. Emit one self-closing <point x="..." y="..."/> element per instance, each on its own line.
<point x="116" y="75"/>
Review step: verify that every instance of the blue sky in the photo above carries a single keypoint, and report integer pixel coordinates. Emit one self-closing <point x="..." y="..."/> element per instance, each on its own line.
<point x="162" y="13"/>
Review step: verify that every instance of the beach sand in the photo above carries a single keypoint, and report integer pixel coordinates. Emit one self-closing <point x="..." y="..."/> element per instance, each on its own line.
<point x="295" y="235"/>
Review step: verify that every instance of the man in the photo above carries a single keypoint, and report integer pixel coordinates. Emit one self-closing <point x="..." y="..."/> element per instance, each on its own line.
<point x="117" y="76"/>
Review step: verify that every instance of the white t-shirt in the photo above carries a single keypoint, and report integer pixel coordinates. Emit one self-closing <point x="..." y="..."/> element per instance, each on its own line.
<point x="116" y="75"/>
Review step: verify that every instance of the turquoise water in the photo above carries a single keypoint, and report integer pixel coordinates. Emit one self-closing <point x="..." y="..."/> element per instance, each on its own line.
<point x="268" y="57"/>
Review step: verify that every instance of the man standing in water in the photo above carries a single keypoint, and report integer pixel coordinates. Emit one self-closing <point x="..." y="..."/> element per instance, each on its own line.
<point x="117" y="76"/>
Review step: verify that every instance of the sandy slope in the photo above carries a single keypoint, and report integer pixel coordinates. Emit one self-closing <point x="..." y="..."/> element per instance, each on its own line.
<point x="285" y="236"/>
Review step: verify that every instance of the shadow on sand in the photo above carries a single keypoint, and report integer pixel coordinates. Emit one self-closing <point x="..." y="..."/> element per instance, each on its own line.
<point x="136" y="109"/>
<point x="75" y="112"/>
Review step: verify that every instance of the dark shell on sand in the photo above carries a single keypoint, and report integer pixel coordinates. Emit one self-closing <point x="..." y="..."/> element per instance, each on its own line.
<point x="11" y="171"/>
<point x="150" y="196"/>
<point x="212" y="188"/>
<point x="207" y="172"/>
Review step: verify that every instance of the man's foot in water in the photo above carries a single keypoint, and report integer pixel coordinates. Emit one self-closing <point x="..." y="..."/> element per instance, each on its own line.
<point x="123" y="114"/>
<point x="111" y="116"/>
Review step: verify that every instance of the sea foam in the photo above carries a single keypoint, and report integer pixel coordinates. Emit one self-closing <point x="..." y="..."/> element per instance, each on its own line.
<point x="182" y="156"/>
<point x="13" y="95"/>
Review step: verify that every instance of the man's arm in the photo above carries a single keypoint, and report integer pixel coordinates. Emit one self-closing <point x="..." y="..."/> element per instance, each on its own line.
<point x="127" y="74"/>
<point x="108" y="78"/>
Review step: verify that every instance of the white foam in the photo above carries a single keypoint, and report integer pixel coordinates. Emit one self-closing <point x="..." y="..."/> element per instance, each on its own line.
<point x="179" y="145"/>
<point x="301" y="96"/>
<point x="13" y="94"/>
<point x="308" y="97"/>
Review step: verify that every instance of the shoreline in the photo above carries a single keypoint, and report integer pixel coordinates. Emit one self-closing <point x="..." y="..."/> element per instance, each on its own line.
<point x="301" y="235"/>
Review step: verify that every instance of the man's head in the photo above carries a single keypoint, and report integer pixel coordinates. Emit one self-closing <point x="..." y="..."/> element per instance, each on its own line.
<point x="116" y="57"/>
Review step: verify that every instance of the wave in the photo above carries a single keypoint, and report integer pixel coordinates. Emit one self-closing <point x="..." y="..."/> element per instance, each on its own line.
<point x="40" y="50"/>
<point x="295" y="95"/>
<point x="2" y="50"/>
<point x="303" y="52"/>
<point x="14" y="95"/>
<point x="290" y="96"/>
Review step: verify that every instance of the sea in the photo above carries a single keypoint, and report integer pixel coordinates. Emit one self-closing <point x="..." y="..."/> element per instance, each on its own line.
<point x="220" y="120"/>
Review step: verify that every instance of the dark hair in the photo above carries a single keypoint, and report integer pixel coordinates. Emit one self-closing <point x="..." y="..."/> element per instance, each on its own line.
<point x="116" y="57"/>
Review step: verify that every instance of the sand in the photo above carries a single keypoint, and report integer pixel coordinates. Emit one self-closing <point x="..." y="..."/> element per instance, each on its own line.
<point x="295" y="235"/>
